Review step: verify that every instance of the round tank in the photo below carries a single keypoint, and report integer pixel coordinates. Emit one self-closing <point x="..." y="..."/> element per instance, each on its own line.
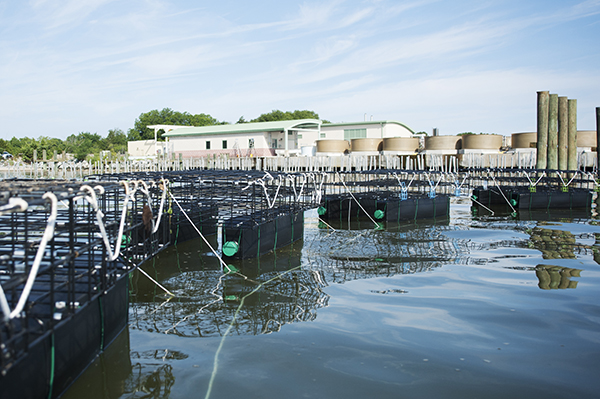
<point x="524" y="140"/>
<point x="307" y="151"/>
<point x="331" y="145"/>
<point x="481" y="142"/>
<point x="366" y="144"/>
<point x="586" y="138"/>
<point x="401" y="144"/>
<point x="442" y="143"/>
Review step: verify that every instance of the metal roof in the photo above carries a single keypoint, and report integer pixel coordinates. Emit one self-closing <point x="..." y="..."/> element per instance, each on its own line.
<point x="368" y="123"/>
<point x="240" y="128"/>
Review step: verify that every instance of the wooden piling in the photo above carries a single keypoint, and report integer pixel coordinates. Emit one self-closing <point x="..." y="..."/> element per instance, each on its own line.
<point x="572" y="146"/>
<point x="542" y="129"/>
<point x="552" y="158"/>
<point x="563" y="133"/>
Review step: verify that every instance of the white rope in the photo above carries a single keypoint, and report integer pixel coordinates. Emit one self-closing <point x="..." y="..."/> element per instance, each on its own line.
<point x="570" y="181"/>
<point x="128" y="195"/>
<point x="14" y="205"/>
<point x="154" y="281"/>
<point x="501" y="192"/>
<point x="352" y="195"/>
<point x="198" y="231"/>
<point x="230" y="327"/>
<point x="47" y="236"/>
<point x="530" y="181"/>
<point x="480" y="204"/>
<point x="162" y="204"/>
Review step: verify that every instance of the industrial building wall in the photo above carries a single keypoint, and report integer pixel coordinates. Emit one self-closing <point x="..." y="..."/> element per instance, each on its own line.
<point x="141" y="148"/>
<point x="230" y="144"/>
<point x="364" y="130"/>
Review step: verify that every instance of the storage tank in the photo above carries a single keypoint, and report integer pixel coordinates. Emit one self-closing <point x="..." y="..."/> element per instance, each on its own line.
<point x="586" y="138"/>
<point x="524" y="140"/>
<point x="443" y="143"/>
<point x="307" y="151"/>
<point x="481" y="142"/>
<point x="401" y="144"/>
<point x="366" y="144"/>
<point x="333" y="146"/>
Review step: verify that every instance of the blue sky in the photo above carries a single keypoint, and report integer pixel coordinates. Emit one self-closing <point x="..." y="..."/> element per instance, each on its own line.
<point x="68" y="66"/>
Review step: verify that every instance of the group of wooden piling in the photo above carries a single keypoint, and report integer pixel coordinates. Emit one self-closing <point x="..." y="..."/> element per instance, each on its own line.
<point x="556" y="132"/>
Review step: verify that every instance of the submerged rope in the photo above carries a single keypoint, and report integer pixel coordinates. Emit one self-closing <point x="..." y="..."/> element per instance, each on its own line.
<point x="237" y="311"/>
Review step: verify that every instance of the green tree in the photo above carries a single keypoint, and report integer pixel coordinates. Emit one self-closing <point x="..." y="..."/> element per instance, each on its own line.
<point x="277" y="115"/>
<point x="85" y="143"/>
<point x="116" y="141"/>
<point x="166" y="116"/>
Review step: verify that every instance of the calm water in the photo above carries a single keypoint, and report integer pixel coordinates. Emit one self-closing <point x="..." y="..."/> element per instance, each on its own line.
<point x="477" y="306"/>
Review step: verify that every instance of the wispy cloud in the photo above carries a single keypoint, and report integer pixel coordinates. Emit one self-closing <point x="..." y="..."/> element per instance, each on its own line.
<point x="109" y="60"/>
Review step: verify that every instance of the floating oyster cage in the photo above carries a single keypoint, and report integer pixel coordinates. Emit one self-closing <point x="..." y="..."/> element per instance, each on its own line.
<point x="63" y="277"/>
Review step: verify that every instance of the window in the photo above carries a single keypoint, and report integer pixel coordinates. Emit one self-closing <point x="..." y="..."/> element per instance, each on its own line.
<point x="250" y="143"/>
<point x="208" y="145"/>
<point x="274" y="143"/>
<point x="355" y="134"/>
<point x="321" y="135"/>
<point x="299" y="136"/>
<point x="224" y="144"/>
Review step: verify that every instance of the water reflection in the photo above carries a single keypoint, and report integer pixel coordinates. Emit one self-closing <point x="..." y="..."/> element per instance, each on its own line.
<point x="285" y="286"/>
<point x="119" y="373"/>
<point x="556" y="277"/>
<point x="275" y="290"/>
<point x="149" y="381"/>
<point x="108" y="375"/>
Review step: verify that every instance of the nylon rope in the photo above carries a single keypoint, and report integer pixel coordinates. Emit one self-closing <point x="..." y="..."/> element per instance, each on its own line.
<point x="501" y="192"/>
<point x="47" y="236"/>
<point x="352" y="195"/>
<point x="235" y="315"/>
<point x="198" y="231"/>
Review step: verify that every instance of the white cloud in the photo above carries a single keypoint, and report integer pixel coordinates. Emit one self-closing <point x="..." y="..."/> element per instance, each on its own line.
<point x="71" y="66"/>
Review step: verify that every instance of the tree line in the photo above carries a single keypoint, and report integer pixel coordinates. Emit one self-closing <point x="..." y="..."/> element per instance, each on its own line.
<point x="86" y="145"/>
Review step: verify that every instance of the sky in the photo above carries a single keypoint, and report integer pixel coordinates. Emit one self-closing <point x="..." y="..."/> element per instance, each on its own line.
<point x="70" y="66"/>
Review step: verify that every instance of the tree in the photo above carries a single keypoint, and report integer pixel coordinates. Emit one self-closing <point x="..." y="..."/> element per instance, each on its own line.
<point x="166" y="116"/>
<point x="116" y="141"/>
<point x="85" y="143"/>
<point x="277" y="115"/>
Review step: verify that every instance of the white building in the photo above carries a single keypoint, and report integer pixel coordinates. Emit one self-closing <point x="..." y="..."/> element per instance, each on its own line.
<point x="266" y="138"/>
<point x="244" y="139"/>
<point x="366" y="129"/>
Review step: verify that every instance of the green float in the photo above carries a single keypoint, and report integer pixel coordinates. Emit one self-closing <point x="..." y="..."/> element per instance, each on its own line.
<point x="230" y="248"/>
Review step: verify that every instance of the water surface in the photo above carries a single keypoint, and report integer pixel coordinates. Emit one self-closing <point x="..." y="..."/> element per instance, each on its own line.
<point x="480" y="305"/>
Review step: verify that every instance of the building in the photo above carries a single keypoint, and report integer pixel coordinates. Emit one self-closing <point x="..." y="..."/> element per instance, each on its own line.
<point x="261" y="138"/>
<point x="244" y="139"/>
<point x="366" y="129"/>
